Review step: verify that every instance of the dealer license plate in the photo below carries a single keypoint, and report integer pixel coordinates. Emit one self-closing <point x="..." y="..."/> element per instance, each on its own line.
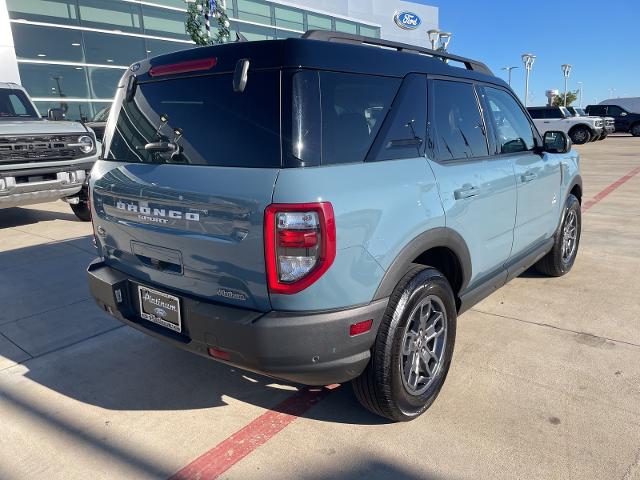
<point x="160" y="308"/>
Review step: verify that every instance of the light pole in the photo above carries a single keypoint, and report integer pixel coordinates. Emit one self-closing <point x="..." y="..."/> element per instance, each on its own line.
<point x="527" y="59"/>
<point x="580" y="90"/>
<point x="566" y="71"/>
<point x="508" y="69"/>
<point x="434" y="37"/>
<point x="445" y="38"/>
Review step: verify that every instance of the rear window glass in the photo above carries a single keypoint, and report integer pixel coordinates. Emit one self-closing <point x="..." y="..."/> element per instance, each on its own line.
<point x="208" y="122"/>
<point x="337" y="116"/>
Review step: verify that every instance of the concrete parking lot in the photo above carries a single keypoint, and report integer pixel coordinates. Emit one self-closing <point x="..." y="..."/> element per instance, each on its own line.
<point x="545" y="381"/>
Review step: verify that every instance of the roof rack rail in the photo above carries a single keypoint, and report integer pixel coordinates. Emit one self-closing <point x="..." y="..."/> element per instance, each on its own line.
<point x="340" y="37"/>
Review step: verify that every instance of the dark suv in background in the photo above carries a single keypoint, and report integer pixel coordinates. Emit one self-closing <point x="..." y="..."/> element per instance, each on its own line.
<point x="628" y="122"/>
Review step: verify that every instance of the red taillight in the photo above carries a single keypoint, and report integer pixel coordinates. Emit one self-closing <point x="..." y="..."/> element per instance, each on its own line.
<point x="183" y="67"/>
<point x="360" y="327"/>
<point x="300" y="244"/>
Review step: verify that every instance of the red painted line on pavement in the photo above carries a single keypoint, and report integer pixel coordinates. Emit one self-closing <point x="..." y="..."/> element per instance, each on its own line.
<point x="618" y="183"/>
<point x="230" y="451"/>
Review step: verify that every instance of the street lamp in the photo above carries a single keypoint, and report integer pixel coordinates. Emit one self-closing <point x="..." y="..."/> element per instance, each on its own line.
<point x="580" y="90"/>
<point x="508" y="69"/>
<point x="527" y="59"/>
<point x="566" y="71"/>
<point x="445" y="38"/>
<point x="434" y="37"/>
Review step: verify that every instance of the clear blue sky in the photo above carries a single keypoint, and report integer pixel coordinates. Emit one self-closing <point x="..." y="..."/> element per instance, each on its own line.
<point x="600" y="38"/>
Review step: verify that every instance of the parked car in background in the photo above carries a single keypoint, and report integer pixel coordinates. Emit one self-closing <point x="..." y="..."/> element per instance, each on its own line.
<point x="351" y="202"/>
<point x="580" y="129"/>
<point x="609" y="122"/>
<point x="630" y="104"/>
<point x="98" y="122"/>
<point x="625" y="120"/>
<point x="42" y="160"/>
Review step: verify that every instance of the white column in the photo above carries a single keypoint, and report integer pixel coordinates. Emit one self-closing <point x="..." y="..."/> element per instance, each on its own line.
<point x="8" y="63"/>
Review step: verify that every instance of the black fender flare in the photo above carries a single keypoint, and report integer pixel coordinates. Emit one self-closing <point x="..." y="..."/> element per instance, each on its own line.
<point x="575" y="182"/>
<point x="436" y="237"/>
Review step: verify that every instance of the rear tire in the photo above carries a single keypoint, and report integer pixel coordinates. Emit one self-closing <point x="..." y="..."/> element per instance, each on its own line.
<point x="580" y="135"/>
<point x="635" y="130"/>
<point x="82" y="211"/>
<point x="413" y="349"/>
<point x="562" y="256"/>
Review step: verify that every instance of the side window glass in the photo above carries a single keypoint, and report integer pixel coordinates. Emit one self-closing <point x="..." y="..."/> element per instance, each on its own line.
<point x="511" y="124"/>
<point x="353" y="110"/>
<point x="459" y="130"/>
<point x="554" y="113"/>
<point x="403" y="132"/>
<point x="614" y="111"/>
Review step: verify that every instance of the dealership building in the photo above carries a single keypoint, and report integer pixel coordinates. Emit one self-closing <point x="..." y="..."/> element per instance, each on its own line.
<point x="76" y="50"/>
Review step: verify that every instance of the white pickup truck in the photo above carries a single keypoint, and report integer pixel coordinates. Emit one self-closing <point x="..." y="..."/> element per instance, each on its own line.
<point x="580" y="129"/>
<point x="42" y="160"/>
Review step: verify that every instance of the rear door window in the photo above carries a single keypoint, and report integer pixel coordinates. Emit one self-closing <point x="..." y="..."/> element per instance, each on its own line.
<point x="459" y="129"/>
<point x="211" y="124"/>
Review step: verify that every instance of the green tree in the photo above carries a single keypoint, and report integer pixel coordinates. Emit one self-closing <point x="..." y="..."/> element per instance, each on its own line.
<point x="559" y="100"/>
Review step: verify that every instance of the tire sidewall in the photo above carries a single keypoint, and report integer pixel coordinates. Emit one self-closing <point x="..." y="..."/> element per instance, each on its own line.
<point x="426" y="283"/>
<point x="581" y="142"/>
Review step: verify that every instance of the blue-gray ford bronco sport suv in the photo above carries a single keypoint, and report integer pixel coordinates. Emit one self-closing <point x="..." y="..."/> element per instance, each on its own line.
<point x="322" y="209"/>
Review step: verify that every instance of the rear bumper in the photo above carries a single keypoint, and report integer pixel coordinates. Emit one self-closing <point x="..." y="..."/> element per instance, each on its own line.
<point x="312" y="348"/>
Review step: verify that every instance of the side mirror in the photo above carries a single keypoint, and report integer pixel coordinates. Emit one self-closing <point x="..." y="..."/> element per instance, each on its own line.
<point x="556" y="142"/>
<point x="55" y="114"/>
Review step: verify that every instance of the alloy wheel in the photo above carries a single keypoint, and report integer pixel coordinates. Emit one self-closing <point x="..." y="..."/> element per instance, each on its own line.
<point x="569" y="236"/>
<point x="423" y="345"/>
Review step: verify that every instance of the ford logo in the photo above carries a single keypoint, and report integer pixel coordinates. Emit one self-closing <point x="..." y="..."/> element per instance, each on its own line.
<point x="160" y="312"/>
<point x="407" y="20"/>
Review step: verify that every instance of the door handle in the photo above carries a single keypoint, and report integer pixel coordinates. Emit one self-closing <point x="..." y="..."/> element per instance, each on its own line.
<point x="466" y="192"/>
<point x="529" y="177"/>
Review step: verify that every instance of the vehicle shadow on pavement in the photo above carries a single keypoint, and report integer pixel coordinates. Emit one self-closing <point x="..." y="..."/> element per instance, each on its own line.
<point x="19" y="217"/>
<point x="96" y="360"/>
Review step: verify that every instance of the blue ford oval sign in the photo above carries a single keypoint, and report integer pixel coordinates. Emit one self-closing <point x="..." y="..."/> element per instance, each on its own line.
<point x="407" y="20"/>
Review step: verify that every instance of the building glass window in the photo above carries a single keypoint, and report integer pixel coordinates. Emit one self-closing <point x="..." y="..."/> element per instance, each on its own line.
<point x="161" y="47"/>
<point x="170" y="3"/>
<point x="110" y="15"/>
<point x="318" y="22"/>
<point x="254" y="11"/>
<point x="53" y="11"/>
<point x="103" y="48"/>
<point x="104" y="81"/>
<point x="77" y="111"/>
<point x="254" y="32"/>
<point x="346" y="27"/>
<point x="367" y="31"/>
<point x="61" y="44"/>
<point x="283" y="34"/>
<point x="289" y="18"/>
<point x="164" y="23"/>
<point x="54" y="80"/>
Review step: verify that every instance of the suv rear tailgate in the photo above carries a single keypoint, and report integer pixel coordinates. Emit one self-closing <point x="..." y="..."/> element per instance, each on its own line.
<point x="199" y="232"/>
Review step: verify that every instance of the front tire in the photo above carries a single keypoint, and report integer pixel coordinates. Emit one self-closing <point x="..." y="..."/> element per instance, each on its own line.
<point x="580" y="135"/>
<point x="560" y="259"/>
<point x="635" y="130"/>
<point x="413" y="349"/>
<point x="82" y="211"/>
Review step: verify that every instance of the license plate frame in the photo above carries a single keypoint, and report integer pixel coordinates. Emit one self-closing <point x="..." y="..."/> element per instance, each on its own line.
<point x="155" y="304"/>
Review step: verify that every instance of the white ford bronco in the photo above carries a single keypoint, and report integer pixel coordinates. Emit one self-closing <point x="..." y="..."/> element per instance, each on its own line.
<point x="580" y="129"/>
<point x="42" y="160"/>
